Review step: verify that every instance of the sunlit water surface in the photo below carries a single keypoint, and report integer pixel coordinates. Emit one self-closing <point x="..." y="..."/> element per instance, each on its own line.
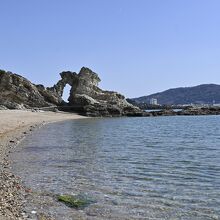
<point x="132" y="168"/>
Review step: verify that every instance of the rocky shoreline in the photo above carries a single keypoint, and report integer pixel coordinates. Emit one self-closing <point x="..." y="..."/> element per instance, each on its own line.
<point x="184" y="112"/>
<point x="13" y="194"/>
<point x="16" y="125"/>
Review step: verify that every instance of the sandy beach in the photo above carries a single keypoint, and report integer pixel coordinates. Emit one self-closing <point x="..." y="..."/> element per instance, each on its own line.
<point x="15" y="125"/>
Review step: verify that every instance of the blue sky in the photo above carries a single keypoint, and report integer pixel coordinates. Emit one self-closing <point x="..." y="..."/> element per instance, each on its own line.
<point x="137" y="47"/>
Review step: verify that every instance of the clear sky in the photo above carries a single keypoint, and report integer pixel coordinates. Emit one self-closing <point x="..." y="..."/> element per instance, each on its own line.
<point x="137" y="47"/>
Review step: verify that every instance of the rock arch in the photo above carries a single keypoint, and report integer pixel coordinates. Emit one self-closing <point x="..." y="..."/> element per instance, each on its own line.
<point x="85" y="95"/>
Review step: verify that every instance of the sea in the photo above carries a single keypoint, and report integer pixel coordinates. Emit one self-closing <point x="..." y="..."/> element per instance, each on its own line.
<point x="127" y="168"/>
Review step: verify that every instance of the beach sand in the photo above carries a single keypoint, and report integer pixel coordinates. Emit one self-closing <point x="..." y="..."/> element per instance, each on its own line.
<point x="15" y="125"/>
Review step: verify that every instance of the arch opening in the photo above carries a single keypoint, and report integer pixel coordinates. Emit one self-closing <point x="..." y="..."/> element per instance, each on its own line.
<point x="66" y="93"/>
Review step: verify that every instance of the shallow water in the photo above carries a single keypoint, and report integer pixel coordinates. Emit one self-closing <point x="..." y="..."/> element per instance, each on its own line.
<point x="133" y="168"/>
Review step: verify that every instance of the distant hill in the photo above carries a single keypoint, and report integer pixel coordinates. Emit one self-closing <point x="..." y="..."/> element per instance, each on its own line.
<point x="202" y="94"/>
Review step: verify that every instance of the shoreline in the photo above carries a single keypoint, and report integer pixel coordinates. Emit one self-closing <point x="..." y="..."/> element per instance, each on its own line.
<point x="16" y="125"/>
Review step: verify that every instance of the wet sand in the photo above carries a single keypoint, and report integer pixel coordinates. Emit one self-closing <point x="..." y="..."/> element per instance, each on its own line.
<point x="15" y="125"/>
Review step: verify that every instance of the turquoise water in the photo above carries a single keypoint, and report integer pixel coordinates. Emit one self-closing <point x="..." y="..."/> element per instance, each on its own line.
<point x="132" y="168"/>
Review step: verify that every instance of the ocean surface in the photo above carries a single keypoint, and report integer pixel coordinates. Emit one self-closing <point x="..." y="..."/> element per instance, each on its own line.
<point x="129" y="168"/>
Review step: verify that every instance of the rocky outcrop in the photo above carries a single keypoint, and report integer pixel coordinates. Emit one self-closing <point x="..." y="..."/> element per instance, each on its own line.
<point x="201" y="111"/>
<point x="89" y="99"/>
<point x="185" y="112"/>
<point x="86" y="97"/>
<point x="16" y="92"/>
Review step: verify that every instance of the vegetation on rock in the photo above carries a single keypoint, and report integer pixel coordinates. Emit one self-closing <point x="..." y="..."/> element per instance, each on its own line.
<point x="73" y="201"/>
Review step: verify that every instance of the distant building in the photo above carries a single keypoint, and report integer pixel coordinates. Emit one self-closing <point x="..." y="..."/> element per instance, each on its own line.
<point x="217" y="105"/>
<point x="153" y="101"/>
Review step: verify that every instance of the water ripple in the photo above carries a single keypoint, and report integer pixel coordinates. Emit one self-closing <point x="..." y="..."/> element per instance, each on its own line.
<point x="135" y="168"/>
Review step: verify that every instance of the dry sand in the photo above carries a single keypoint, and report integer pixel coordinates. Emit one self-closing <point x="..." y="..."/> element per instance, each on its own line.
<point x="11" y="120"/>
<point x="15" y="125"/>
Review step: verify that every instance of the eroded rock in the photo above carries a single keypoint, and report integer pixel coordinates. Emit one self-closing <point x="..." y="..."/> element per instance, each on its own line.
<point x="16" y="92"/>
<point x="86" y="97"/>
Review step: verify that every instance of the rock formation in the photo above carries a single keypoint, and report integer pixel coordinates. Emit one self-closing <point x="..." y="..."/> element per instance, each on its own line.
<point x="16" y="92"/>
<point x="88" y="98"/>
<point x="85" y="95"/>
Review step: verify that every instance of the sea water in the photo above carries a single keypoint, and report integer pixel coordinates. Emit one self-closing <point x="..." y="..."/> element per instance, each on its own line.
<point x="130" y="168"/>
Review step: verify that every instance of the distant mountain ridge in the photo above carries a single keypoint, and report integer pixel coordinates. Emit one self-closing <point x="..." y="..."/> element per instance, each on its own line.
<point x="201" y="94"/>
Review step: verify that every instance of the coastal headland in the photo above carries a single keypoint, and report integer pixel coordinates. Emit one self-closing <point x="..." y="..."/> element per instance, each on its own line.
<point x="15" y="125"/>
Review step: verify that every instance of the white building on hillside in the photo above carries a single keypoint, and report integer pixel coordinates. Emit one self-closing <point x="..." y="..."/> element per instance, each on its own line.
<point x="153" y="101"/>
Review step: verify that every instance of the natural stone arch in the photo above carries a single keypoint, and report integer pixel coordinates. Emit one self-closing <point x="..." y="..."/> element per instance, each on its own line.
<point x="66" y="93"/>
<point x="86" y="82"/>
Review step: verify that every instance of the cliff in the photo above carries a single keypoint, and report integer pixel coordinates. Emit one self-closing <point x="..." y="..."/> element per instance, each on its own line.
<point x="16" y="92"/>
